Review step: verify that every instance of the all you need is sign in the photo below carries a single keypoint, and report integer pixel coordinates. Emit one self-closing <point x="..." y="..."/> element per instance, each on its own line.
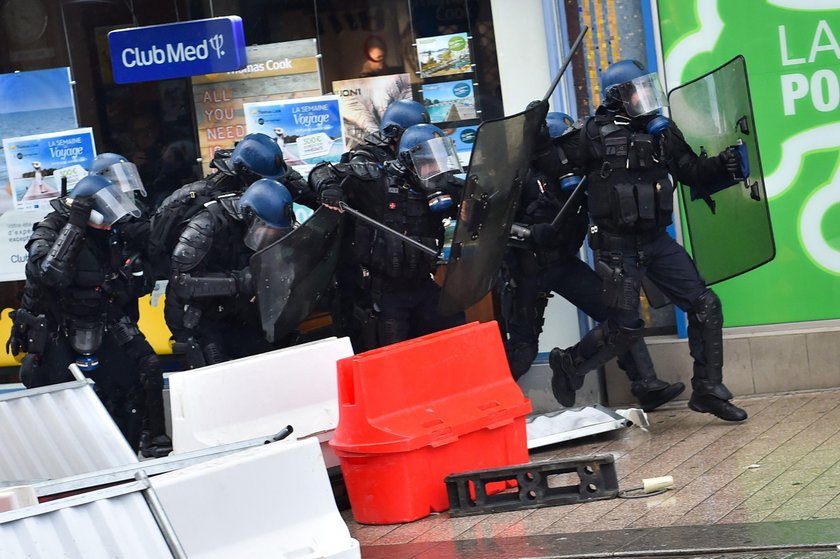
<point x="177" y="50"/>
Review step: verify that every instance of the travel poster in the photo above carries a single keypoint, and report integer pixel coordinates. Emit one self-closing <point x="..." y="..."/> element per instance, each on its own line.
<point x="36" y="165"/>
<point x="308" y="130"/>
<point x="450" y="101"/>
<point x="364" y="100"/>
<point x="444" y="55"/>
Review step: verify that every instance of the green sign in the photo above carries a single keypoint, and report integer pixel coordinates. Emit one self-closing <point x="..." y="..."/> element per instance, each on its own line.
<point x="792" y="52"/>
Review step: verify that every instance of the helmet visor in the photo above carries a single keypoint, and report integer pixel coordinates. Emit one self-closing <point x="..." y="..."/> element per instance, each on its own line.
<point x="642" y="95"/>
<point x="125" y="174"/>
<point x="434" y="157"/>
<point x="114" y="204"/>
<point x="260" y="234"/>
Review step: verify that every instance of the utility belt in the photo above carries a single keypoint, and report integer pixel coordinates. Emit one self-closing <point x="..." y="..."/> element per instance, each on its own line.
<point x="613" y="242"/>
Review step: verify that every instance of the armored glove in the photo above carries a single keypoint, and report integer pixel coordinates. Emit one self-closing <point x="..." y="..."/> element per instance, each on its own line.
<point x="332" y="195"/>
<point x="731" y="160"/>
<point x="80" y="211"/>
<point x="244" y="281"/>
<point x="543" y="235"/>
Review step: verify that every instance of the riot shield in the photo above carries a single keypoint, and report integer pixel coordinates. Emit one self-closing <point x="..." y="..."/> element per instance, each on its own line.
<point x="498" y="164"/>
<point x="291" y="274"/>
<point x="729" y="232"/>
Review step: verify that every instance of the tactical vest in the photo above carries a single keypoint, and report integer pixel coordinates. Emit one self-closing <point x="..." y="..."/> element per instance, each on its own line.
<point x="407" y="212"/>
<point x="629" y="188"/>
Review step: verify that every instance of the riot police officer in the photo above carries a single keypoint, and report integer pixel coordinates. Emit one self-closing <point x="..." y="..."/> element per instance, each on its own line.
<point x="83" y="277"/>
<point x="255" y="156"/>
<point x="377" y="148"/>
<point x="627" y="151"/>
<point x="548" y="262"/>
<point x="396" y="291"/>
<point x="211" y="290"/>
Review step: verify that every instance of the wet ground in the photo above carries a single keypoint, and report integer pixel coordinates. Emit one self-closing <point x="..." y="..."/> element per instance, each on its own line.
<point x="769" y="487"/>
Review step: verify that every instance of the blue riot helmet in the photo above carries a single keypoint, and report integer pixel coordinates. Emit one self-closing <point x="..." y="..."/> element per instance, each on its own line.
<point x="430" y="155"/>
<point x="267" y="208"/>
<point x="257" y="154"/>
<point x="119" y="170"/>
<point x="557" y="123"/>
<point x="400" y="115"/>
<point x="111" y="203"/>
<point x="627" y="87"/>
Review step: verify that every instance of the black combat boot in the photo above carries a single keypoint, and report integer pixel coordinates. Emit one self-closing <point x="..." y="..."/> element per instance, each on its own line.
<point x="724" y="409"/>
<point x="650" y="391"/>
<point x="520" y="356"/>
<point x="564" y="381"/>
<point x="711" y="395"/>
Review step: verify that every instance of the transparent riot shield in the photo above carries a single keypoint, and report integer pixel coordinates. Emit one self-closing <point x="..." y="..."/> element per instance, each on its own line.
<point x="291" y="274"/>
<point x="729" y="231"/>
<point x="498" y="164"/>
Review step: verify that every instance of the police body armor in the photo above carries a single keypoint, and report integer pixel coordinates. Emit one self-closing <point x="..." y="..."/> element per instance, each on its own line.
<point x="405" y="211"/>
<point x="631" y="192"/>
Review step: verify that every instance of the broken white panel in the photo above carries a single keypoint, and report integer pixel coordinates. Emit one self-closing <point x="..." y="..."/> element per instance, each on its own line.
<point x="113" y="522"/>
<point x="273" y="501"/>
<point x="253" y="396"/>
<point x="58" y="431"/>
<point x="566" y="425"/>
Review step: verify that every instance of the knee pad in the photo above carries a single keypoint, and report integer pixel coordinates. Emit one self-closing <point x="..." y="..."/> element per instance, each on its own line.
<point x="707" y="310"/>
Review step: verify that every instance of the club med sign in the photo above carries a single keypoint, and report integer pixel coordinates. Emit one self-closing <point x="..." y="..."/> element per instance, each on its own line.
<point x="177" y="50"/>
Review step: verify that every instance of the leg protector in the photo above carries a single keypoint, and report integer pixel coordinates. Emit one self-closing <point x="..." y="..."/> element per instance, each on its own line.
<point x="602" y="343"/>
<point x="705" y="341"/>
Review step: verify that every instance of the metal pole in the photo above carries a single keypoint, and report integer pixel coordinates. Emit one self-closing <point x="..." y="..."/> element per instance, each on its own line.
<point x="160" y="517"/>
<point x="408" y="240"/>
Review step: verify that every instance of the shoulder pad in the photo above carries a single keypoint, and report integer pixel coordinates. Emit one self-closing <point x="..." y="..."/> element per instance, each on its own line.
<point x="194" y="242"/>
<point x="230" y="203"/>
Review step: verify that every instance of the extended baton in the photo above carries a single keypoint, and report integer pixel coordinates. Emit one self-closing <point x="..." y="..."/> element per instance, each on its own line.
<point x="571" y="204"/>
<point x="359" y="215"/>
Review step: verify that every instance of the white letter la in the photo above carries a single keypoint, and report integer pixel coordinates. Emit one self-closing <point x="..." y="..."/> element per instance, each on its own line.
<point x="783" y="45"/>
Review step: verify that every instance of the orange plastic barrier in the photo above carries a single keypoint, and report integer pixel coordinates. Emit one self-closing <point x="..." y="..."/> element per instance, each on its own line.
<point x="412" y="413"/>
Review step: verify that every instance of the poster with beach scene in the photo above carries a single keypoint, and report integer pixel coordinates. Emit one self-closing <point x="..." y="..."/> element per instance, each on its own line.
<point x="36" y="102"/>
<point x="444" y="55"/>
<point x="36" y="164"/>
<point x="32" y="103"/>
<point x="450" y="101"/>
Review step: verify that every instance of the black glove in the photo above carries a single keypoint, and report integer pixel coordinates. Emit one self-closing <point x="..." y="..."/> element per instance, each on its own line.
<point x="332" y="196"/>
<point x="244" y="281"/>
<point x="731" y="160"/>
<point x="543" y="235"/>
<point x="80" y="211"/>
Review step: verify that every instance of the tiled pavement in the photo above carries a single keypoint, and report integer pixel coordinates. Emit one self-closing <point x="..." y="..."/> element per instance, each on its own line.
<point x="781" y="465"/>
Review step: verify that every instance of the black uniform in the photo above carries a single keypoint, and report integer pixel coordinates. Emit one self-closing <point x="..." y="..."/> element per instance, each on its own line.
<point x="393" y="292"/>
<point x="210" y="299"/>
<point x="549" y="263"/>
<point x="80" y="298"/>
<point x="630" y="199"/>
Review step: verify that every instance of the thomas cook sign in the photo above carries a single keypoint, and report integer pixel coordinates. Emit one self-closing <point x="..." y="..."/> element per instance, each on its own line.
<point x="177" y="50"/>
